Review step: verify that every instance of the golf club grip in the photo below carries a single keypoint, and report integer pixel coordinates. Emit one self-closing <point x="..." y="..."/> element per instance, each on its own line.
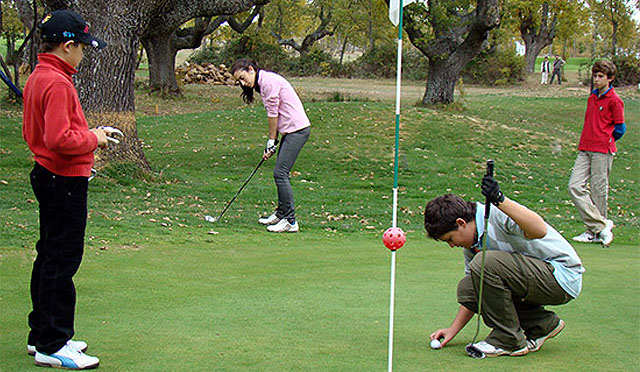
<point x="487" y="203"/>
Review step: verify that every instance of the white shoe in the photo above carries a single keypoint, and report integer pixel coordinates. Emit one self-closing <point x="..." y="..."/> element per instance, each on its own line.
<point x="587" y="237"/>
<point x="78" y="345"/>
<point x="606" y="235"/>
<point x="492" y="351"/>
<point x="284" y="226"/>
<point x="535" y="345"/>
<point x="271" y="220"/>
<point x="67" y="357"/>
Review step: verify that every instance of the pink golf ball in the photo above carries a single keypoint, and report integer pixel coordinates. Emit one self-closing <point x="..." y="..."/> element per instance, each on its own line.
<point x="394" y="238"/>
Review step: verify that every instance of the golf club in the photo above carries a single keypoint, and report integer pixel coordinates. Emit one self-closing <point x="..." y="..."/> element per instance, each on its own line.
<point x="473" y="351"/>
<point x="216" y="219"/>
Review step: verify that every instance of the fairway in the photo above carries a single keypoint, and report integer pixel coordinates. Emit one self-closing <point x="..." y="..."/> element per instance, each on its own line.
<point x="160" y="289"/>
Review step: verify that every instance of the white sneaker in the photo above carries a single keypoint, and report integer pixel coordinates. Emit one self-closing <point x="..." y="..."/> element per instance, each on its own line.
<point x="535" y="345"/>
<point x="492" y="351"/>
<point x="67" y="357"/>
<point x="587" y="237"/>
<point x="284" y="226"/>
<point x="78" y="345"/>
<point x="606" y="235"/>
<point x="271" y="220"/>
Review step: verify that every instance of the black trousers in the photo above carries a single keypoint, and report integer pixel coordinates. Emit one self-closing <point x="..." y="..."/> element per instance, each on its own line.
<point x="63" y="219"/>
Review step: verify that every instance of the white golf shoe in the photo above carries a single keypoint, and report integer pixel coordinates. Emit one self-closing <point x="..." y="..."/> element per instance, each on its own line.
<point x="284" y="226"/>
<point x="67" y="357"/>
<point x="586" y="237"/>
<point x="492" y="351"/>
<point x="606" y="235"/>
<point x="78" y="345"/>
<point x="271" y="220"/>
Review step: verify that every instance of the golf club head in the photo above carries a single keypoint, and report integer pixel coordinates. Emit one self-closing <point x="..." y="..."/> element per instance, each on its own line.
<point x="210" y="219"/>
<point x="474" y="352"/>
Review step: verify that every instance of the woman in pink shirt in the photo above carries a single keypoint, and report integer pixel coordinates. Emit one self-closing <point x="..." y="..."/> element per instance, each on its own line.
<point x="286" y="116"/>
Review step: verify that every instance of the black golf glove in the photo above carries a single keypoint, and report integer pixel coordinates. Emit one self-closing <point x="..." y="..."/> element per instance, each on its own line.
<point x="272" y="146"/>
<point x="491" y="190"/>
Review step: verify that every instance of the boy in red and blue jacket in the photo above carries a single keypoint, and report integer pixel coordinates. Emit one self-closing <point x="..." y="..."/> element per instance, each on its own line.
<point x="603" y="126"/>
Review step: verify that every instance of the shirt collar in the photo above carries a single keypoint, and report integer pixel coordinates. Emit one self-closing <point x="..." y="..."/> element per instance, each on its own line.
<point x="595" y="91"/>
<point x="477" y="246"/>
<point x="57" y="63"/>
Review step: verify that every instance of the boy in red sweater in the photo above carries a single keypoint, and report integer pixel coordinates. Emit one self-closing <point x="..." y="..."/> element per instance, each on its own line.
<point x="62" y="144"/>
<point x="603" y="126"/>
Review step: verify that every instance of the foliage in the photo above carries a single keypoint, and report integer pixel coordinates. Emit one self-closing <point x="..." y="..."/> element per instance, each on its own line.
<point x="628" y="69"/>
<point x="316" y="63"/>
<point x="381" y="62"/>
<point x="500" y="67"/>
<point x="249" y="45"/>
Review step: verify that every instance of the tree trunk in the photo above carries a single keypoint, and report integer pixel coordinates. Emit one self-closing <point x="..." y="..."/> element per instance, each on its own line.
<point x="531" y="53"/>
<point x="162" y="56"/>
<point x="441" y="82"/>
<point x="105" y="82"/>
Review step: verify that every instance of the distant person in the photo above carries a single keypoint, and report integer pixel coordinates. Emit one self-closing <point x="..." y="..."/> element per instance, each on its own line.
<point x="286" y="116"/>
<point x="62" y="144"/>
<point x="558" y="63"/>
<point x="528" y="265"/>
<point x="545" y="69"/>
<point x="603" y="126"/>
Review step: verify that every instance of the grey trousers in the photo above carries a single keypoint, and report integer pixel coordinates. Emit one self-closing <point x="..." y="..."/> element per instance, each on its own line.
<point x="591" y="202"/>
<point x="290" y="146"/>
<point x="516" y="288"/>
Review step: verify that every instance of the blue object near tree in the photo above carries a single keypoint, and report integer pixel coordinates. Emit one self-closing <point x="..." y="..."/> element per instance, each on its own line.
<point x="10" y="84"/>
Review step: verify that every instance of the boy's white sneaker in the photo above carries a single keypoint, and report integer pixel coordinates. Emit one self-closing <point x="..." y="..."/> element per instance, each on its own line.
<point x="284" y="226"/>
<point x="78" y="345"/>
<point x="271" y="220"/>
<point x="67" y="357"/>
<point x="587" y="237"/>
<point x="606" y="235"/>
<point x="492" y="351"/>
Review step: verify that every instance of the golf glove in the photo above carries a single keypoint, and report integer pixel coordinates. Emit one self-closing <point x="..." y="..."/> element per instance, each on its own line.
<point x="272" y="146"/>
<point x="491" y="190"/>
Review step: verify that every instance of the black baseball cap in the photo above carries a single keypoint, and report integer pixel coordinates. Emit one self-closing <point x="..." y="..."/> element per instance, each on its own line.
<point x="63" y="25"/>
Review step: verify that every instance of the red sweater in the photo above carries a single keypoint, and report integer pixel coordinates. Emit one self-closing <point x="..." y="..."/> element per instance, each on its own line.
<point x="54" y="125"/>
<point x="603" y="113"/>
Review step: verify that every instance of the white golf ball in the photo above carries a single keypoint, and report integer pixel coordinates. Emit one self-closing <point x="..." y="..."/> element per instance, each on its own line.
<point x="435" y="344"/>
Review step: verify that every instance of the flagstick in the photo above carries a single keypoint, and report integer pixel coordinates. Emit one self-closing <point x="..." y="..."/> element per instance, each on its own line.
<point x="395" y="190"/>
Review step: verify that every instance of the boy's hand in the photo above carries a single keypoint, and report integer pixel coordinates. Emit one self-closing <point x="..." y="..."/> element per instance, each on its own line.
<point x="102" y="137"/>
<point x="491" y="190"/>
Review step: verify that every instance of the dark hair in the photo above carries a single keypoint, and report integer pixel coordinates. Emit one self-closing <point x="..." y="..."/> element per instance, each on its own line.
<point x="48" y="46"/>
<point x="606" y="67"/>
<point x="441" y="213"/>
<point x="244" y="64"/>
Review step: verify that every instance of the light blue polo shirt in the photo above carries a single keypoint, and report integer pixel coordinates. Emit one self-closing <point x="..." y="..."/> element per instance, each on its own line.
<point x="505" y="235"/>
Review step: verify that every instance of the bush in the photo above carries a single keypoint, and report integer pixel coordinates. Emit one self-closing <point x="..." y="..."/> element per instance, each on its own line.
<point x="268" y="56"/>
<point x="495" y="68"/>
<point x="316" y="63"/>
<point x="628" y="70"/>
<point x="381" y="62"/>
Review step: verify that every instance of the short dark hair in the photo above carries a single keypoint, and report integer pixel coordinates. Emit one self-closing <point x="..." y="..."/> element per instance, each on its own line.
<point x="441" y="213"/>
<point x="48" y="46"/>
<point x="606" y="67"/>
<point x="244" y="64"/>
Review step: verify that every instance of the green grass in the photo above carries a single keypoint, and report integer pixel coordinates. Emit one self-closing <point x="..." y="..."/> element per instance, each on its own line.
<point x="161" y="290"/>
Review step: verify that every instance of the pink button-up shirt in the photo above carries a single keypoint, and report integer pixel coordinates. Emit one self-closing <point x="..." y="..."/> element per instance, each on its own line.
<point x="281" y="101"/>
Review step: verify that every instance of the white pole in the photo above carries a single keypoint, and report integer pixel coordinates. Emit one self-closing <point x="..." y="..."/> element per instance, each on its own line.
<point x="395" y="188"/>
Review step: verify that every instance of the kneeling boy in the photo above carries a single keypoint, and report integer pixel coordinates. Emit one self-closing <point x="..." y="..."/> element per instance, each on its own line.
<point x="528" y="265"/>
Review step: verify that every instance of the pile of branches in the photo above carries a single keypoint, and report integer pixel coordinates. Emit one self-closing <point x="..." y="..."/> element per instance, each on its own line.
<point x="206" y="73"/>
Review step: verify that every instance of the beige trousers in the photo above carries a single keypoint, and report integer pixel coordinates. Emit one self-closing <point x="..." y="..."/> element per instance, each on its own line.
<point x="591" y="168"/>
